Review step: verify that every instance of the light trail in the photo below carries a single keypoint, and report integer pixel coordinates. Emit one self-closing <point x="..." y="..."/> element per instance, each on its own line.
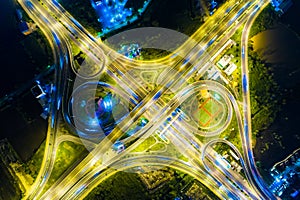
<point x="255" y="179"/>
<point x="191" y="55"/>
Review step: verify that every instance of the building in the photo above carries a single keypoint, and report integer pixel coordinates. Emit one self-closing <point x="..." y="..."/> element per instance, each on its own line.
<point x="111" y="13"/>
<point x="214" y="74"/>
<point x="285" y="174"/>
<point x="43" y="98"/>
<point x="224" y="61"/>
<point x="204" y="93"/>
<point x="230" y="69"/>
<point x="24" y="28"/>
<point x="118" y="146"/>
<point x="37" y="91"/>
<point x="281" y="6"/>
<point x="130" y="50"/>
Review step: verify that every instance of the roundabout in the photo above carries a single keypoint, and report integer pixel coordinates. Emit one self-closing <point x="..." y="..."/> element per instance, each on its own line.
<point x="95" y="108"/>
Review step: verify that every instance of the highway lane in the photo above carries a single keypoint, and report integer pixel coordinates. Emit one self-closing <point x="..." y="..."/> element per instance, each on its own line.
<point x="58" y="45"/>
<point x="183" y="92"/>
<point x="217" y="160"/>
<point x="87" y="184"/>
<point x="75" y="140"/>
<point x="263" y="190"/>
<point x="185" y="134"/>
<point x="58" y="52"/>
<point x="240" y="123"/>
<point x="257" y="181"/>
<point x="59" y="8"/>
<point x="179" y="98"/>
<point x="147" y="160"/>
<point x="118" y="156"/>
<point x="195" y="159"/>
<point x="213" y="157"/>
<point x="149" y="100"/>
<point x="227" y="114"/>
<point x="86" y="164"/>
<point x="119" y="70"/>
<point x="51" y="156"/>
<point x="57" y="20"/>
<point x="157" y="93"/>
<point x="100" y="150"/>
<point x="77" y="23"/>
<point x="205" y="29"/>
<point x="47" y="18"/>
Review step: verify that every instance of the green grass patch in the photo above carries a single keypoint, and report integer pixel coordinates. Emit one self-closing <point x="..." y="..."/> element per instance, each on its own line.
<point x="204" y="117"/>
<point x="129" y="186"/>
<point x="122" y="185"/>
<point x="33" y="165"/>
<point x="157" y="147"/>
<point x="264" y="104"/>
<point x="145" y="145"/>
<point x="265" y="20"/>
<point x="212" y="106"/>
<point x="152" y="54"/>
<point x="66" y="155"/>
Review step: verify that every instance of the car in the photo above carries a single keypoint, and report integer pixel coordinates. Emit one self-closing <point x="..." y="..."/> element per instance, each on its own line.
<point x="143" y="121"/>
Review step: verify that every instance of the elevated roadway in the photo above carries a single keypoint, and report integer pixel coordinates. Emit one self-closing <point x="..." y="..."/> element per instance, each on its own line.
<point x="193" y="53"/>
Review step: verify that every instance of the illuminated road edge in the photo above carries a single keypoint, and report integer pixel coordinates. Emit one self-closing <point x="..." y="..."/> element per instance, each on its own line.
<point x="194" y="58"/>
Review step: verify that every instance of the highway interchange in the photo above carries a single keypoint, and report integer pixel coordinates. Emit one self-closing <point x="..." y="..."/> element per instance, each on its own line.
<point x="195" y="56"/>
